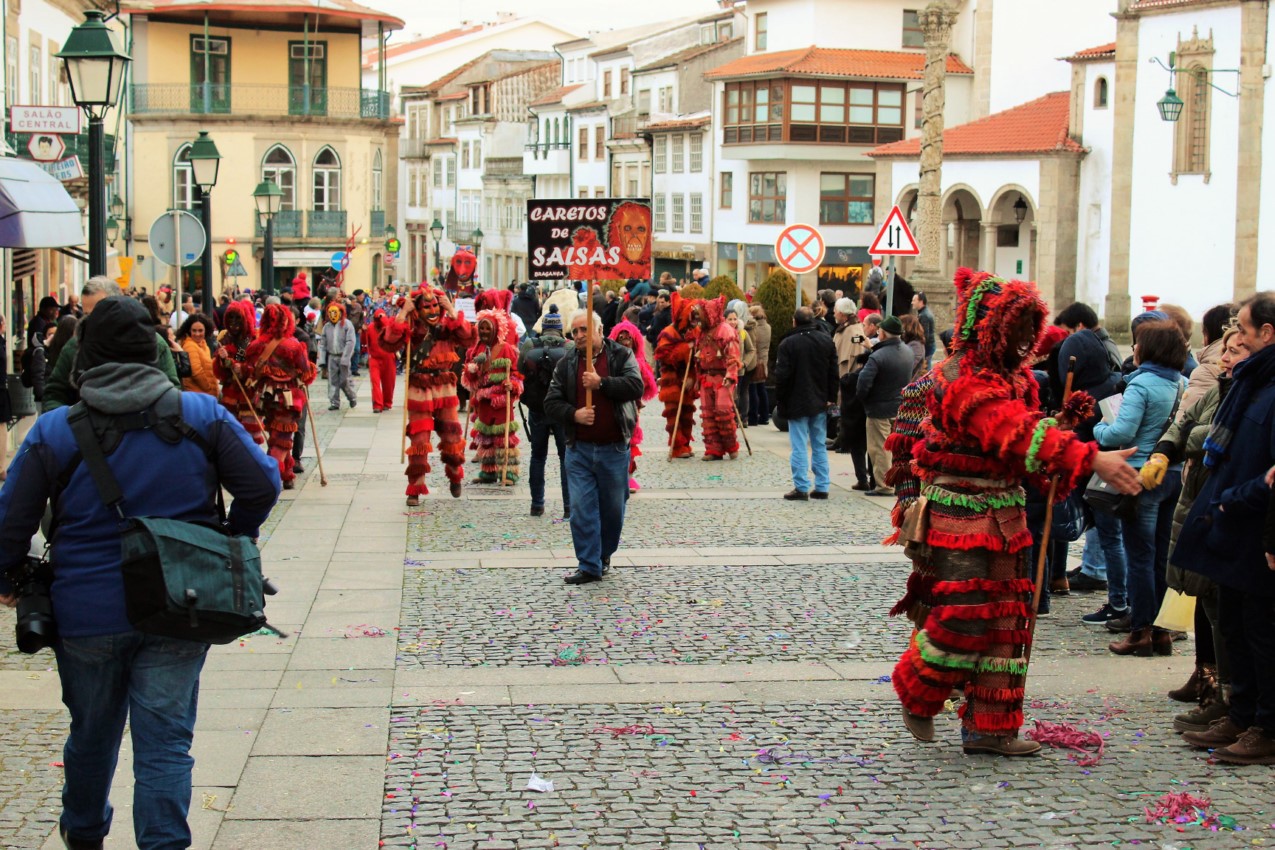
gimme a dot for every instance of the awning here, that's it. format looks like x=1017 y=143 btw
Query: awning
x=35 y=209
x=305 y=259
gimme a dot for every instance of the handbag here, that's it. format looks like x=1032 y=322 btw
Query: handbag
x=1177 y=612
x=184 y=580
x=1104 y=498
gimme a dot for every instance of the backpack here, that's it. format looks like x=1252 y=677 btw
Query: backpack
x=539 y=375
x=183 y=580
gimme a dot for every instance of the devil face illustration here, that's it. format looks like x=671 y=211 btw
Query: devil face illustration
x=631 y=230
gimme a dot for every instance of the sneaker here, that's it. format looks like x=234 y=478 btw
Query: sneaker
x=1253 y=747
x=1221 y=733
x=1084 y=583
x=1103 y=615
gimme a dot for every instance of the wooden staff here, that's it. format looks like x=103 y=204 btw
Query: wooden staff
x=509 y=421
x=681 y=397
x=314 y=433
x=1049 y=516
x=405 y=440
x=739 y=422
x=248 y=401
x=588 y=345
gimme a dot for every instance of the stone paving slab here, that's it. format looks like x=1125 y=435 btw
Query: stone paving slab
x=792 y=774
x=30 y=775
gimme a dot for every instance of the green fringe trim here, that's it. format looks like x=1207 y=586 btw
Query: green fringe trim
x=940 y=658
x=975 y=501
x=1038 y=437
x=1015 y=666
x=496 y=377
x=495 y=430
x=501 y=363
x=971 y=312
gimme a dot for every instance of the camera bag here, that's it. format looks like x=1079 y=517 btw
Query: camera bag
x=187 y=580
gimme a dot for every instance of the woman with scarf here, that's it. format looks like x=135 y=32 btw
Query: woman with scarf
x=1151 y=400
x=627 y=334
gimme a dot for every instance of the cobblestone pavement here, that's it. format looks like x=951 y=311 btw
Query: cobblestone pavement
x=677 y=615
x=30 y=776
x=796 y=774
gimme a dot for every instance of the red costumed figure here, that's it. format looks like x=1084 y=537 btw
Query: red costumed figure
x=718 y=361
x=627 y=334
x=280 y=370
x=673 y=351
x=380 y=360
x=240 y=329
x=436 y=334
x=491 y=376
x=974 y=433
x=460 y=275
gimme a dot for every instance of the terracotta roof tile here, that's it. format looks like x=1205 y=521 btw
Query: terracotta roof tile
x=1039 y=126
x=832 y=62
x=678 y=124
x=1139 y=5
x=370 y=56
x=1102 y=51
x=555 y=96
x=585 y=107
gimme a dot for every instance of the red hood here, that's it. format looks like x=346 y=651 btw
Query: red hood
x=714 y=310
x=987 y=308
x=681 y=308
x=244 y=311
x=494 y=299
x=277 y=322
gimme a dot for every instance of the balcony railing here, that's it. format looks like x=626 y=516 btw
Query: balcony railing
x=326 y=223
x=206 y=99
x=77 y=145
x=414 y=149
x=378 y=223
x=625 y=126
x=287 y=224
x=540 y=150
x=460 y=232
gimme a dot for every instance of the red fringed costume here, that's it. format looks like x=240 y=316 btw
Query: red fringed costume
x=240 y=330
x=627 y=334
x=461 y=272
x=673 y=351
x=970 y=591
x=380 y=360
x=718 y=362
x=437 y=337
x=491 y=376
x=279 y=369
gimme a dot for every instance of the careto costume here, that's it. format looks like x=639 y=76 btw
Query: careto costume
x=672 y=352
x=649 y=389
x=381 y=357
x=436 y=340
x=491 y=376
x=974 y=433
x=279 y=370
x=718 y=357
x=240 y=329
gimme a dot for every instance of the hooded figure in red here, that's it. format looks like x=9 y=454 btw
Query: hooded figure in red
x=627 y=334
x=278 y=368
x=381 y=360
x=980 y=435
x=678 y=375
x=239 y=329
x=463 y=270
x=300 y=289
x=435 y=335
x=718 y=360
x=491 y=376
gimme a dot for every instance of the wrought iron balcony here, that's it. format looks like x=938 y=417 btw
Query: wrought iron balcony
x=326 y=224
x=460 y=232
x=287 y=224
x=212 y=99
x=541 y=150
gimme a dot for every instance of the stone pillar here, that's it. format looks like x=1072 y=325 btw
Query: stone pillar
x=1117 y=313
x=936 y=23
x=987 y=251
x=1248 y=201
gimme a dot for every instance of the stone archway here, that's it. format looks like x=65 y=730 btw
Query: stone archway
x=907 y=203
x=1009 y=234
x=962 y=229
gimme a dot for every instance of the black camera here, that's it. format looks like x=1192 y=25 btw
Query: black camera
x=36 y=628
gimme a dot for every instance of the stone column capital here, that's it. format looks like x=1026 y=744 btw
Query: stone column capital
x=936 y=22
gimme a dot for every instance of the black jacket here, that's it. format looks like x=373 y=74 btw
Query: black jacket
x=806 y=372
x=883 y=377
x=1093 y=373
x=622 y=387
x=526 y=306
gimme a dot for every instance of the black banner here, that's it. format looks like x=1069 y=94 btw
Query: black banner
x=589 y=239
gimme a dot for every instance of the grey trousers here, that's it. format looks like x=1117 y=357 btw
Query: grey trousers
x=338 y=381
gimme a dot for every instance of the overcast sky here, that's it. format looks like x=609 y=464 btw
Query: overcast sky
x=578 y=16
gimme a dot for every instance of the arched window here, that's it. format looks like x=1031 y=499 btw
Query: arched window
x=378 y=192
x=327 y=181
x=556 y=137
x=1100 y=93
x=1191 y=155
x=183 y=180
x=279 y=166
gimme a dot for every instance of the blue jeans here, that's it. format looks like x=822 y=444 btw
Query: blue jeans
x=808 y=435
x=358 y=354
x=1111 y=539
x=1146 y=543
x=154 y=683
x=539 y=429
x=1093 y=563
x=598 y=478
x=758 y=404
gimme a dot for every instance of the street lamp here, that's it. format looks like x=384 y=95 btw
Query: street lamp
x=477 y=239
x=436 y=230
x=112 y=229
x=1170 y=106
x=268 y=197
x=205 y=160
x=1020 y=210
x=95 y=65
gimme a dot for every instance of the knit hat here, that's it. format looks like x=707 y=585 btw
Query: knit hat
x=892 y=325
x=551 y=321
x=845 y=307
x=119 y=330
x=1147 y=316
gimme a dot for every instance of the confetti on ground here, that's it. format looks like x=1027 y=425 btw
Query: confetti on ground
x=1089 y=745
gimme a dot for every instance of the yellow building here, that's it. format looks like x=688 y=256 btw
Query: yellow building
x=278 y=88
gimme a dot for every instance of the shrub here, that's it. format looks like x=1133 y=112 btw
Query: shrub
x=692 y=290
x=724 y=285
x=776 y=295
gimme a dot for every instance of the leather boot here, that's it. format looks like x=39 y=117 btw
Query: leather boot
x=922 y=728
x=1193 y=690
x=1137 y=642
x=1161 y=641
x=1005 y=745
x=1221 y=733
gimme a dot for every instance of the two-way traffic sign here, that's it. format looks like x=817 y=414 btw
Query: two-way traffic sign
x=895 y=238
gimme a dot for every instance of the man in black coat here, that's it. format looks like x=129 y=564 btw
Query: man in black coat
x=526 y=305
x=806 y=385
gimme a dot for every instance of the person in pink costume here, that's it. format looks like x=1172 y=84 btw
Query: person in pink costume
x=627 y=334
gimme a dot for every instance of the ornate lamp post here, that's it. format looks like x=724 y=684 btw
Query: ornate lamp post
x=436 y=230
x=205 y=160
x=95 y=66
x=268 y=197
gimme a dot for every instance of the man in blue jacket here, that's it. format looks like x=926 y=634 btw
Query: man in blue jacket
x=1222 y=539
x=111 y=673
